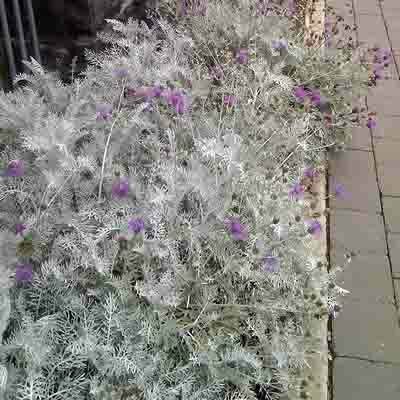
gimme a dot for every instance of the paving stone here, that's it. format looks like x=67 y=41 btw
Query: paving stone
x=393 y=25
x=397 y=288
x=363 y=380
x=394 y=248
x=387 y=152
x=369 y=281
x=355 y=231
x=391 y=207
x=355 y=170
x=385 y=98
x=389 y=180
x=367 y=7
x=391 y=8
x=371 y=30
x=387 y=127
x=361 y=139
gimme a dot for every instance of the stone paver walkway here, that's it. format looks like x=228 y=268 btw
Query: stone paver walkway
x=366 y=334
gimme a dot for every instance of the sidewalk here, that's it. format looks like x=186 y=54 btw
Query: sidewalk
x=366 y=334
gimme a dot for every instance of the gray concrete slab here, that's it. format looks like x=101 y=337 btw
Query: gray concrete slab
x=387 y=127
x=385 y=98
x=389 y=180
x=363 y=380
x=371 y=30
x=367 y=7
x=358 y=232
x=391 y=209
x=394 y=249
x=361 y=188
x=367 y=325
x=361 y=139
x=387 y=152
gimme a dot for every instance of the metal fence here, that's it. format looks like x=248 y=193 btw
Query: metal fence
x=18 y=39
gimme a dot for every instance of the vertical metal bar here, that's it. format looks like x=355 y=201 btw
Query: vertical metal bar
x=20 y=30
x=31 y=18
x=7 y=40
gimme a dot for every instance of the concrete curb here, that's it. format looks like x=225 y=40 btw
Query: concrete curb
x=317 y=375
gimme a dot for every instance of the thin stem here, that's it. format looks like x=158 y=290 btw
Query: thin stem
x=107 y=144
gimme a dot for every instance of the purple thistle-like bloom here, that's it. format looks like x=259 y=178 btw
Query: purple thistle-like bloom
x=300 y=93
x=103 y=111
x=310 y=172
x=279 y=44
x=217 y=72
x=182 y=8
x=237 y=230
x=263 y=7
x=120 y=72
x=339 y=190
x=19 y=228
x=23 y=273
x=297 y=191
x=14 y=168
x=382 y=54
x=156 y=91
x=271 y=263
x=242 y=56
x=136 y=225
x=176 y=99
x=229 y=100
x=371 y=123
x=315 y=227
x=315 y=97
x=290 y=8
x=120 y=187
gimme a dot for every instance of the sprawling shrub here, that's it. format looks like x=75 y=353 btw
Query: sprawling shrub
x=150 y=245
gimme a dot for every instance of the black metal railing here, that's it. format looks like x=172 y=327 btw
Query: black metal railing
x=18 y=38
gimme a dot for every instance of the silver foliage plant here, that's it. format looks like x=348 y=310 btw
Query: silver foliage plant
x=167 y=258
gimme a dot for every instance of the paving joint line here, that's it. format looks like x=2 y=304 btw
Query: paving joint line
x=389 y=39
x=393 y=363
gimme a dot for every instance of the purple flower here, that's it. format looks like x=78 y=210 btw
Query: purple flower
x=23 y=273
x=120 y=72
x=371 y=123
x=310 y=172
x=156 y=91
x=136 y=225
x=290 y=8
x=14 y=168
x=297 y=191
x=270 y=263
x=175 y=98
x=237 y=230
x=279 y=44
x=217 y=72
x=229 y=100
x=19 y=228
x=339 y=190
x=120 y=187
x=263 y=7
x=182 y=8
x=315 y=97
x=382 y=54
x=242 y=56
x=315 y=227
x=103 y=111
x=300 y=93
